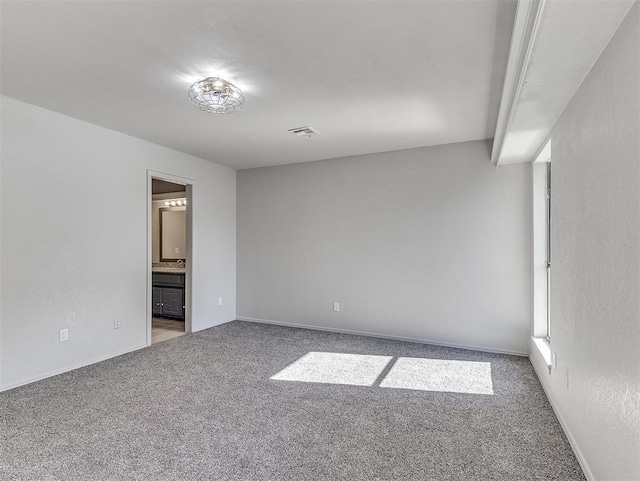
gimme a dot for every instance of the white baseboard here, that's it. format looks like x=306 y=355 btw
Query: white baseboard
x=572 y=441
x=69 y=368
x=384 y=336
x=214 y=325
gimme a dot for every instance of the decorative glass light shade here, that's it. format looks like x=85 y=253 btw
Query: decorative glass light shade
x=216 y=95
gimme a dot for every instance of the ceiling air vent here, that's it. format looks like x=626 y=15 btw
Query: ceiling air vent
x=302 y=131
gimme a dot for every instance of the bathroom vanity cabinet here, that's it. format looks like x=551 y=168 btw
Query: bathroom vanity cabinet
x=167 y=296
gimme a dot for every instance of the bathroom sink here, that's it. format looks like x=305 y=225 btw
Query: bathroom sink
x=176 y=270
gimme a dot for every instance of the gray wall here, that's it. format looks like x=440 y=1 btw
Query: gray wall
x=595 y=277
x=429 y=244
x=75 y=256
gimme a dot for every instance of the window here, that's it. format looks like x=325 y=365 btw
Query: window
x=541 y=262
x=548 y=236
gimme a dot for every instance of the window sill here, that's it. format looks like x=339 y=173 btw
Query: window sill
x=544 y=348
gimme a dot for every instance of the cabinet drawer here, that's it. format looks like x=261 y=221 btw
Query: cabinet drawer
x=169 y=280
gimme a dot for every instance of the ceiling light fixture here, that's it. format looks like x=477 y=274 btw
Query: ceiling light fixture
x=175 y=202
x=216 y=95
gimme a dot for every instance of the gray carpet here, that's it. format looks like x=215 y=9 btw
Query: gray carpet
x=203 y=407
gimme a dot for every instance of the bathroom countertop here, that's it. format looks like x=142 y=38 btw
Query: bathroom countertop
x=168 y=270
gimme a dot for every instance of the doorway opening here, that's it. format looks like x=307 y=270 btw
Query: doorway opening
x=170 y=259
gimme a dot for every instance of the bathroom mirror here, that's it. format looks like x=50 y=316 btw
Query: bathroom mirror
x=173 y=234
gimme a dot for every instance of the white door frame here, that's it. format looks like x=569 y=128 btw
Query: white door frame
x=189 y=183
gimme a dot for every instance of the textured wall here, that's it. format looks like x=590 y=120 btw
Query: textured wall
x=430 y=244
x=595 y=284
x=75 y=256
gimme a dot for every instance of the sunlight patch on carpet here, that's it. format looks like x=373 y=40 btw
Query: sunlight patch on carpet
x=442 y=375
x=335 y=368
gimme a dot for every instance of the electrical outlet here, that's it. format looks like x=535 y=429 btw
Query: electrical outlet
x=566 y=376
x=64 y=335
x=116 y=323
x=336 y=307
x=219 y=301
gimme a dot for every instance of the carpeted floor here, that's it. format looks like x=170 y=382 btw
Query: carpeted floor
x=203 y=407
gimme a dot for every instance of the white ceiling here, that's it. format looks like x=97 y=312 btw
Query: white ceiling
x=370 y=76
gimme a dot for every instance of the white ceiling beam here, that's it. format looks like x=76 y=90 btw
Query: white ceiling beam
x=554 y=45
x=525 y=29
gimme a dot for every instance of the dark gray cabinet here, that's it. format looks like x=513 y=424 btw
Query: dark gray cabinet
x=167 y=295
x=173 y=302
x=156 y=301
